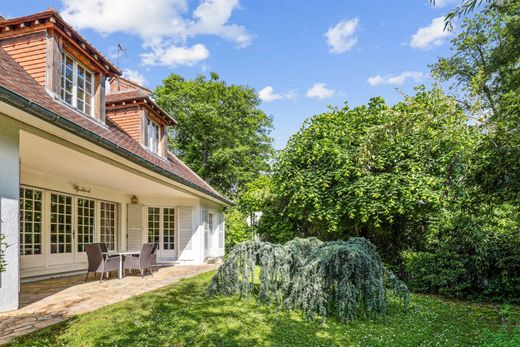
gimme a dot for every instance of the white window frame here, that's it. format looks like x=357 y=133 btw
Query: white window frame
x=168 y=225
x=153 y=136
x=156 y=228
x=27 y=219
x=103 y=213
x=160 y=227
x=75 y=68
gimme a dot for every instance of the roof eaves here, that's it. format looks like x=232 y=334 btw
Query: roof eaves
x=43 y=113
x=86 y=45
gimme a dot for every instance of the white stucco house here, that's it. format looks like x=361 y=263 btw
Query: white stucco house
x=81 y=164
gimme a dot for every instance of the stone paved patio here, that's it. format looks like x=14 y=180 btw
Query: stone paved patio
x=48 y=302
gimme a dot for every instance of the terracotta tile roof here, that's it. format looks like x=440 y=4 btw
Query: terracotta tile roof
x=138 y=94
x=52 y=17
x=17 y=81
x=126 y=95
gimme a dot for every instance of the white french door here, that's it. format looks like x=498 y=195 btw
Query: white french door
x=108 y=224
x=85 y=226
x=60 y=225
x=162 y=229
x=55 y=227
x=168 y=233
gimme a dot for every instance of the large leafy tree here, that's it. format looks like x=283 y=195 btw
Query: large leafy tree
x=484 y=70
x=484 y=65
x=375 y=171
x=222 y=134
x=473 y=250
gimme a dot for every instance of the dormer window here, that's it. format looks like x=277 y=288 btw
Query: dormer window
x=153 y=137
x=77 y=85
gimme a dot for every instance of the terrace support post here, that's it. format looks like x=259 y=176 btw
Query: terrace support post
x=9 y=210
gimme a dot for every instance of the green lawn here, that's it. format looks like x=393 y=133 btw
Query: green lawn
x=183 y=315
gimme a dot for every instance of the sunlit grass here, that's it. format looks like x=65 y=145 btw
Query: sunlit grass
x=183 y=315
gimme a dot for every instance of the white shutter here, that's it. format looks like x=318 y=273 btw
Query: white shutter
x=205 y=223
x=220 y=230
x=135 y=227
x=185 y=229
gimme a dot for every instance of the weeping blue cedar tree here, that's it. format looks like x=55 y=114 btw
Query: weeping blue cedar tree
x=341 y=279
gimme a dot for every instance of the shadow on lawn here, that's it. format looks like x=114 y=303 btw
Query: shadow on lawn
x=184 y=315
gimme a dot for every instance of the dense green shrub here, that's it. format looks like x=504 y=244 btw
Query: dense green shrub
x=339 y=278
x=473 y=255
x=237 y=229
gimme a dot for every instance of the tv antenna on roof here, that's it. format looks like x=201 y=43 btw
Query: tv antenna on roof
x=120 y=52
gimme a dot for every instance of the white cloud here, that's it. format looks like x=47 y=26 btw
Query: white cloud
x=164 y=26
x=134 y=76
x=430 y=36
x=395 y=79
x=341 y=37
x=320 y=91
x=211 y=17
x=173 y=56
x=267 y=94
x=442 y=3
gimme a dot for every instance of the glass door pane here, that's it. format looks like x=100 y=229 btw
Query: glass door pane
x=154 y=221
x=169 y=229
x=30 y=221
x=61 y=223
x=85 y=220
x=107 y=219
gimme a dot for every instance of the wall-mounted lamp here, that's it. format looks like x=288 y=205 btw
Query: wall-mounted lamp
x=81 y=189
x=134 y=200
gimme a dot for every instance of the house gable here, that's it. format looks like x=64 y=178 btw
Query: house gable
x=130 y=106
x=60 y=60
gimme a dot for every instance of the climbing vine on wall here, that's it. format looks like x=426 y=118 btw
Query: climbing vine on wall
x=343 y=279
x=3 y=246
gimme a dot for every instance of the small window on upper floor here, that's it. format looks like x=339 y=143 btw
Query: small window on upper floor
x=77 y=85
x=153 y=136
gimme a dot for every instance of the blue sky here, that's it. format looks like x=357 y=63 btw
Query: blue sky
x=372 y=47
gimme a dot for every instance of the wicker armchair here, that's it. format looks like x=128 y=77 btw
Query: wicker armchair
x=142 y=262
x=98 y=263
x=153 y=256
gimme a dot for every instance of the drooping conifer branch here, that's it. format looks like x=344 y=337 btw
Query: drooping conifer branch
x=340 y=278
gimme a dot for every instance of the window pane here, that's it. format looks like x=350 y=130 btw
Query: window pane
x=76 y=82
x=169 y=228
x=85 y=220
x=61 y=227
x=30 y=221
x=107 y=230
x=153 y=224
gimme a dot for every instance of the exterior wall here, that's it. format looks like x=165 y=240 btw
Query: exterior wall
x=214 y=251
x=129 y=119
x=30 y=52
x=9 y=206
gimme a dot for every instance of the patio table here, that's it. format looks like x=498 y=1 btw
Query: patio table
x=121 y=256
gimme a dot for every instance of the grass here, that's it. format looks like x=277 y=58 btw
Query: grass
x=183 y=315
